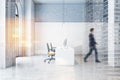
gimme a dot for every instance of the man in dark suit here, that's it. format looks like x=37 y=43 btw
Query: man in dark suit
x=92 y=45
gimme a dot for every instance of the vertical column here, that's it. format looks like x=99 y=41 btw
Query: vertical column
x=11 y=34
x=29 y=24
x=111 y=40
x=2 y=32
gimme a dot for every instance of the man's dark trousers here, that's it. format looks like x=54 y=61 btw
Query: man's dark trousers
x=90 y=52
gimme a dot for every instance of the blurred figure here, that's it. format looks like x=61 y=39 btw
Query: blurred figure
x=92 y=46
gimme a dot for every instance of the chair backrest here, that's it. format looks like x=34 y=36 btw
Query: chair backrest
x=51 y=46
x=48 y=47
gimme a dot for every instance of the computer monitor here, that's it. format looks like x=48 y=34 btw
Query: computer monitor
x=65 y=42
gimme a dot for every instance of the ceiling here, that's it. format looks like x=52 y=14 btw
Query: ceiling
x=58 y=1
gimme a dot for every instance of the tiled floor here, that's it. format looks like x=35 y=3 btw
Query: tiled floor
x=33 y=68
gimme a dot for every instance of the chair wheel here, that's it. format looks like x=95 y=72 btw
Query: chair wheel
x=44 y=60
x=48 y=62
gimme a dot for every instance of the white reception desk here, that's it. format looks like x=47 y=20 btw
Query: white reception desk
x=64 y=56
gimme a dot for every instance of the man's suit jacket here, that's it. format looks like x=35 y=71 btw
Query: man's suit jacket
x=92 y=41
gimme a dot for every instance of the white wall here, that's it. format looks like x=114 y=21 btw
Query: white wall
x=2 y=33
x=77 y=34
x=56 y=32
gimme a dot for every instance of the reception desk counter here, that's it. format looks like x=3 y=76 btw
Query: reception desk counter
x=64 y=56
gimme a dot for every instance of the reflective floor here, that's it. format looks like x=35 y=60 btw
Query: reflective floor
x=33 y=68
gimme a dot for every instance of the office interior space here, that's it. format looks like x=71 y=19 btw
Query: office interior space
x=48 y=39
